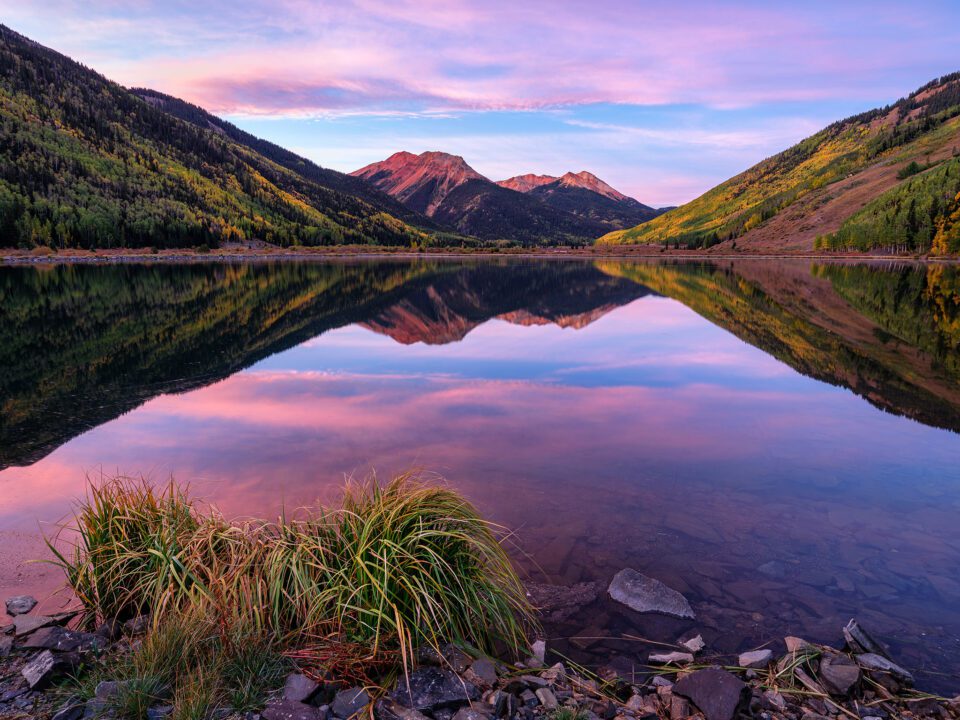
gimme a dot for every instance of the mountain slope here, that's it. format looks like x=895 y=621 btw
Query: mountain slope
x=445 y=188
x=491 y=212
x=307 y=169
x=586 y=196
x=84 y=162
x=814 y=187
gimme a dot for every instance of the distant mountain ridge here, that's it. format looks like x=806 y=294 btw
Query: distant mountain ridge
x=887 y=179
x=527 y=208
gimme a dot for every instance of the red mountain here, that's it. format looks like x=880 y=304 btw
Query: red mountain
x=421 y=182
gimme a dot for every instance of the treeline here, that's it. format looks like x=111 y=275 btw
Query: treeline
x=85 y=163
x=921 y=215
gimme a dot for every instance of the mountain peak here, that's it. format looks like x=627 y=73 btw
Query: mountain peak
x=526 y=183
x=589 y=181
x=419 y=181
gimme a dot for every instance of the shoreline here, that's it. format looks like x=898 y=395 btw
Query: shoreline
x=179 y=257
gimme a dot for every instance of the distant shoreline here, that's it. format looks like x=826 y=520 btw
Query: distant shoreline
x=106 y=257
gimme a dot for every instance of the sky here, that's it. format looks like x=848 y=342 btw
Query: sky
x=662 y=100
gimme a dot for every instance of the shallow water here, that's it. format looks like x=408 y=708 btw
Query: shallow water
x=777 y=440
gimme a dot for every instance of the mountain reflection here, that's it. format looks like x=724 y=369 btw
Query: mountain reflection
x=81 y=345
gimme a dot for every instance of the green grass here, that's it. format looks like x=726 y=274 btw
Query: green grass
x=351 y=590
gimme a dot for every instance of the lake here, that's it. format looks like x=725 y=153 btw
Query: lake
x=776 y=440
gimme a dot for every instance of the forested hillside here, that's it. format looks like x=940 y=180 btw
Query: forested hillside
x=817 y=187
x=86 y=163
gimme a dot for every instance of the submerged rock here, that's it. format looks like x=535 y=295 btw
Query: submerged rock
x=20 y=605
x=557 y=603
x=718 y=694
x=878 y=663
x=647 y=595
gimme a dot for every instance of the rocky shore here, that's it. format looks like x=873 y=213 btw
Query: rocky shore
x=794 y=680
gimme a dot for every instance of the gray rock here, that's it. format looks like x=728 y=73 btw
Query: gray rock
x=455 y=658
x=6 y=645
x=62 y=640
x=547 y=698
x=838 y=674
x=71 y=710
x=660 y=681
x=43 y=668
x=672 y=658
x=349 y=702
x=431 y=688
x=485 y=671
x=529 y=698
x=159 y=712
x=755 y=658
x=647 y=595
x=299 y=688
x=20 y=605
x=387 y=709
x=469 y=713
x=718 y=694
x=878 y=663
x=26 y=624
x=694 y=644
x=288 y=710
x=861 y=642
x=539 y=649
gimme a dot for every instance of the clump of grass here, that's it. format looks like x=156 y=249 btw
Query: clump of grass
x=347 y=590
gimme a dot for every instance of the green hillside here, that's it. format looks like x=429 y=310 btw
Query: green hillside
x=923 y=128
x=86 y=163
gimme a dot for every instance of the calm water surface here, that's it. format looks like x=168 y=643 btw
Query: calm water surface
x=778 y=441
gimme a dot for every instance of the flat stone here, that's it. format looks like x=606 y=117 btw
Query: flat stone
x=694 y=644
x=672 y=658
x=797 y=645
x=469 y=713
x=20 y=605
x=878 y=663
x=547 y=698
x=718 y=694
x=60 y=639
x=349 y=702
x=387 y=709
x=70 y=710
x=159 y=712
x=431 y=688
x=647 y=595
x=299 y=688
x=539 y=649
x=838 y=674
x=755 y=658
x=288 y=710
x=6 y=645
x=529 y=698
x=485 y=671
x=26 y=624
x=42 y=669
